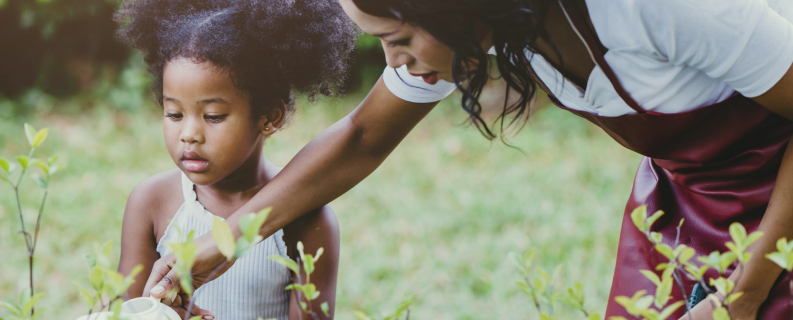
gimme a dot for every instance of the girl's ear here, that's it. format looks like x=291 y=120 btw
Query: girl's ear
x=274 y=118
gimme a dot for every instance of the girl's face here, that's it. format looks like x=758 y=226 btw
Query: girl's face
x=405 y=44
x=210 y=129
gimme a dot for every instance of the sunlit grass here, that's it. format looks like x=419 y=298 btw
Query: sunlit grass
x=438 y=219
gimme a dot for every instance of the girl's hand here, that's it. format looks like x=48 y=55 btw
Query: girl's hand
x=180 y=304
x=163 y=277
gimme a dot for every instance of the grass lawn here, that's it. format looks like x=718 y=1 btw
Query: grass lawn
x=438 y=219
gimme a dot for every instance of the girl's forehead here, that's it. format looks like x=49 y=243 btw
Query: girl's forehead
x=198 y=80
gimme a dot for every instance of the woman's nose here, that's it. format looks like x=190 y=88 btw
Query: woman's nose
x=396 y=58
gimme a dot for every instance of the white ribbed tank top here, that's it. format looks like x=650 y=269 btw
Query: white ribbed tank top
x=253 y=287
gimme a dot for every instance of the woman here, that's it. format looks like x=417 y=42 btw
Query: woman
x=698 y=87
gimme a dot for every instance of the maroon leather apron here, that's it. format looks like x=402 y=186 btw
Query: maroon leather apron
x=712 y=166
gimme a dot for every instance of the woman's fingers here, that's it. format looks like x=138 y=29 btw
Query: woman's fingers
x=162 y=278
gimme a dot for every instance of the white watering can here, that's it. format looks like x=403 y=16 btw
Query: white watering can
x=139 y=309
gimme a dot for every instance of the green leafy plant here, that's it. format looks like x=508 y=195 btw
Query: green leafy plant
x=13 y=173
x=309 y=291
x=107 y=286
x=659 y=306
x=784 y=258
x=539 y=286
x=403 y=308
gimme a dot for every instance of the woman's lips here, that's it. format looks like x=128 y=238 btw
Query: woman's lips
x=430 y=78
x=193 y=162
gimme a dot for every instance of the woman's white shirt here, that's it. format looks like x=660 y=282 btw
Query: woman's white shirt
x=671 y=56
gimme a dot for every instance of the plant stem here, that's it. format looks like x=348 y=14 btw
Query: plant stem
x=679 y=281
x=211 y=276
x=38 y=220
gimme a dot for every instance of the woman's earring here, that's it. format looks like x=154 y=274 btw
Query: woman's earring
x=267 y=128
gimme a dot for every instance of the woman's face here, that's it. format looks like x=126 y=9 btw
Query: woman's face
x=210 y=129
x=406 y=44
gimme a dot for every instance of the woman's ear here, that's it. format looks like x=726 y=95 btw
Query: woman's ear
x=274 y=118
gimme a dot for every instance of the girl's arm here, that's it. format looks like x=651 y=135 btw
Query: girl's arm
x=326 y=168
x=138 y=243
x=315 y=230
x=759 y=275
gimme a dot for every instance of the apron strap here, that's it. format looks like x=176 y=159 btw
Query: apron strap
x=591 y=42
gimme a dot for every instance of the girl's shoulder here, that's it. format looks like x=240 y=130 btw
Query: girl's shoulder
x=156 y=199
x=317 y=229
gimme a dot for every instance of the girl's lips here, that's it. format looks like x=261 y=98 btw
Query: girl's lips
x=195 y=165
x=430 y=78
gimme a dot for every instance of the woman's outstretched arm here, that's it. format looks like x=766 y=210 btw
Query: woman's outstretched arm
x=330 y=165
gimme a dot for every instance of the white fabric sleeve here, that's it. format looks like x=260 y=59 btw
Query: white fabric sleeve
x=414 y=89
x=744 y=43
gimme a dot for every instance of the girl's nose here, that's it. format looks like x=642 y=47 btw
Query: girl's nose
x=191 y=132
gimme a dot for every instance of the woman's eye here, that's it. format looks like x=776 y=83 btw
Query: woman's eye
x=215 y=118
x=174 y=116
x=404 y=42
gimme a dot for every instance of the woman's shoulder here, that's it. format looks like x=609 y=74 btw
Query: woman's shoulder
x=157 y=194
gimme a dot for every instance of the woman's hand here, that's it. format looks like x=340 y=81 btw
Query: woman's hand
x=704 y=311
x=744 y=308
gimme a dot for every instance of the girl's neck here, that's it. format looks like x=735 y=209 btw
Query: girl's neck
x=239 y=186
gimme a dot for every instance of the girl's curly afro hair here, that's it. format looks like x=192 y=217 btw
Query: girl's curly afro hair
x=271 y=47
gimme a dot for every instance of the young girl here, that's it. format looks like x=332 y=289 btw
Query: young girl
x=225 y=73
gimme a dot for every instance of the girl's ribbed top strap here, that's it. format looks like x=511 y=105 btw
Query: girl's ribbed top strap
x=581 y=28
x=187 y=189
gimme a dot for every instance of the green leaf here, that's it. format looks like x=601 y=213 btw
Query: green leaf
x=685 y=255
x=663 y=293
x=27 y=308
x=651 y=276
x=781 y=259
x=24 y=161
x=86 y=296
x=199 y=318
x=303 y=305
x=11 y=308
x=42 y=166
x=115 y=308
x=221 y=232
x=39 y=180
x=286 y=262
x=30 y=133
x=325 y=308
x=651 y=220
x=3 y=3
x=97 y=279
x=668 y=311
x=40 y=136
x=733 y=296
x=721 y=314
x=665 y=250
x=251 y=224
x=4 y=165
x=754 y=236
x=52 y=160
x=738 y=233
x=638 y=216
x=594 y=316
x=656 y=237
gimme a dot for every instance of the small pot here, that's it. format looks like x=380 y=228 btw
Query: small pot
x=139 y=309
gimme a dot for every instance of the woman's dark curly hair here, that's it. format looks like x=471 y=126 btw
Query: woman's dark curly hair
x=516 y=25
x=271 y=47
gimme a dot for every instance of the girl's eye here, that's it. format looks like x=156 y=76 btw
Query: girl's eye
x=404 y=42
x=174 y=116
x=215 y=118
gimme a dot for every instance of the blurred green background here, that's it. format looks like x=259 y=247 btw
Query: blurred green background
x=438 y=219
